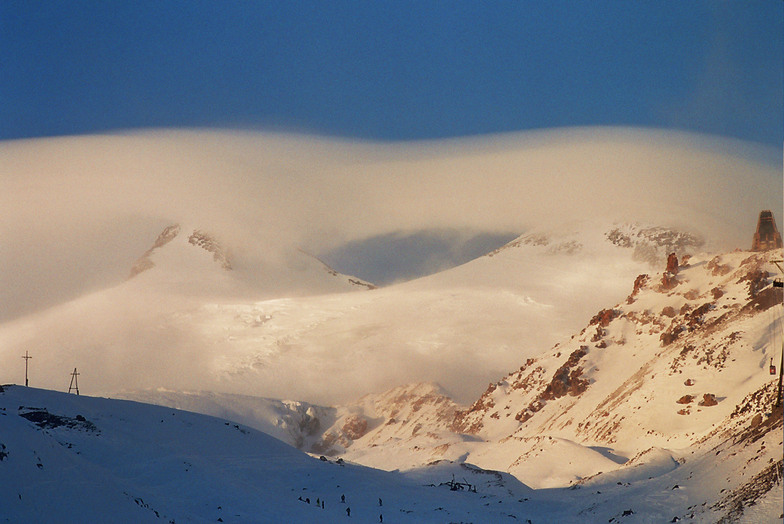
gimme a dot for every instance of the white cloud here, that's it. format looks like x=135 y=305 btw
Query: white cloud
x=78 y=211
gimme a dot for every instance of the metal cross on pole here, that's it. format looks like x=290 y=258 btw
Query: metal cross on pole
x=74 y=382
x=26 y=357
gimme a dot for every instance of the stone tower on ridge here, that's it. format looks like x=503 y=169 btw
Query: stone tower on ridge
x=767 y=236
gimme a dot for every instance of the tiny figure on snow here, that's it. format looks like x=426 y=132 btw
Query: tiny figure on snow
x=348 y=512
x=379 y=502
x=343 y=499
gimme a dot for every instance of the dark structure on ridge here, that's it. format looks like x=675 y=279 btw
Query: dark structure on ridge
x=767 y=236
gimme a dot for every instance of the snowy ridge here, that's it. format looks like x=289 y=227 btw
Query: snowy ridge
x=643 y=399
x=653 y=386
x=660 y=408
x=120 y=461
x=712 y=320
x=649 y=243
x=172 y=251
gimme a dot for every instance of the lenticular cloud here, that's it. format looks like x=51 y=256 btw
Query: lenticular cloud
x=79 y=211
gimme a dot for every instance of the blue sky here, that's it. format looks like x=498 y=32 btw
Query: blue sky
x=398 y=70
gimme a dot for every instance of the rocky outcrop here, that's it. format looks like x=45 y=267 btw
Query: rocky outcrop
x=672 y=264
x=209 y=243
x=198 y=238
x=669 y=279
x=639 y=283
x=144 y=262
x=651 y=243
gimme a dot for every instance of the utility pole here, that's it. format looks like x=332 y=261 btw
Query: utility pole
x=26 y=357
x=74 y=382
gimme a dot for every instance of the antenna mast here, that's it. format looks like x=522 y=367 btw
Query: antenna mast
x=26 y=357
x=74 y=382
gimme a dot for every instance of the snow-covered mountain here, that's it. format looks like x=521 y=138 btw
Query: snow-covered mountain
x=229 y=331
x=653 y=388
x=193 y=261
x=610 y=366
x=668 y=387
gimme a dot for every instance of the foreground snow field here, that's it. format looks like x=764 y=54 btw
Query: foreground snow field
x=74 y=459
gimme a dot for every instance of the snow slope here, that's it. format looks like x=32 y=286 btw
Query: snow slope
x=649 y=393
x=67 y=458
x=668 y=387
x=74 y=459
x=460 y=328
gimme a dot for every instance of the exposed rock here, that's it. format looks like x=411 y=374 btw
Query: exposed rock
x=685 y=399
x=716 y=268
x=669 y=336
x=207 y=242
x=669 y=311
x=144 y=262
x=567 y=378
x=604 y=317
x=639 y=283
x=708 y=399
x=668 y=281
x=766 y=299
x=672 y=264
x=651 y=243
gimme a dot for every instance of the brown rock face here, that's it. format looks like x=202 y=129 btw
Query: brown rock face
x=668 y=281
x=672 y=264
x=685 y=399
x=640 y=282
x=669 y=311
x=567 y=378
x=604 y=317
x=355 y=427
x=767 y=235
x=708 y=399
x=144 y=263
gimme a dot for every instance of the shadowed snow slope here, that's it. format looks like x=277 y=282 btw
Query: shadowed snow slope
x=71 y=459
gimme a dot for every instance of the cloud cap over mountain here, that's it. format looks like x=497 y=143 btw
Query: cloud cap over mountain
x=79 y=210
